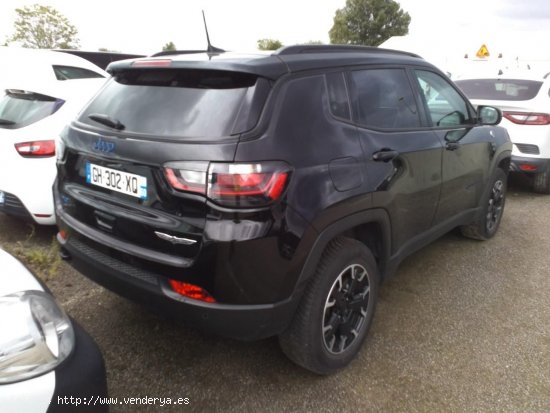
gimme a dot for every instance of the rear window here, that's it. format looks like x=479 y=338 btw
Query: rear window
x=175 y=103
x=499 y=89
x=20 y=108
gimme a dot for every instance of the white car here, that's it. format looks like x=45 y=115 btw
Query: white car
x=524 y=100
x=45 y=357
x=41 y=91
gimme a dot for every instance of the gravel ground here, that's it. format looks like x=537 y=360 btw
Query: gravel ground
x=464 y=326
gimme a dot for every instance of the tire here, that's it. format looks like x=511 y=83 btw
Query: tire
x=328 y=305
x=488 y=222
x=541 y=183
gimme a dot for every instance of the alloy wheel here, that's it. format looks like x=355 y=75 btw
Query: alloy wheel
x=496 y=204
x=346 y=306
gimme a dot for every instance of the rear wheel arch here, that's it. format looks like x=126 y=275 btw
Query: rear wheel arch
x=370 y=227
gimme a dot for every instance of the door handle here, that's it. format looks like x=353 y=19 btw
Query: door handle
x=452 y=146
x=384 y=155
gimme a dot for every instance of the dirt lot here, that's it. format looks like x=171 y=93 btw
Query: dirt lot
x=464 y=326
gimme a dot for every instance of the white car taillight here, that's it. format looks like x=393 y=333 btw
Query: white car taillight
x=527 y=118
x=36 y=149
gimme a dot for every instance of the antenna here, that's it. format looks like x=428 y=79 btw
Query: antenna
x=210 y=48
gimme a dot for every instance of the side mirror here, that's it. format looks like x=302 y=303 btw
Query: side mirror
x=489 y=115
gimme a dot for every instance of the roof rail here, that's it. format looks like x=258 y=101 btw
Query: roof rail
x=337 y=48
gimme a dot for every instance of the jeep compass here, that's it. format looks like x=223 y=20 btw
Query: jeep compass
x=269 y=195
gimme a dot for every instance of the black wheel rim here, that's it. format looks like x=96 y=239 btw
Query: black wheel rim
x=496 y=205
x=346 y=309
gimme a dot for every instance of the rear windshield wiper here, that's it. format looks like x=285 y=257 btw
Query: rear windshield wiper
x=6 y=122
x=106 y=120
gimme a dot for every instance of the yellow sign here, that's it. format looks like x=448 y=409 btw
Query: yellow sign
x=483 y=52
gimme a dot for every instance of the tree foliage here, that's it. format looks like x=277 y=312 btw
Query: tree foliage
x=43 y=27
x=369 y=22
x=269 y=44
x=168 y=47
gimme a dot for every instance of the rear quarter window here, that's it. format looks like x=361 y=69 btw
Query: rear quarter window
x=72 y=72
x=338 y=95
x=500 y=89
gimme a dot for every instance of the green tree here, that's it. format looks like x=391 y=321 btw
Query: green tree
x=43 y=27
x=269 y=44
x=369 y=22
x=168 y=47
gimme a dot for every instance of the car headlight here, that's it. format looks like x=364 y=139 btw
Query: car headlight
x=36 y=335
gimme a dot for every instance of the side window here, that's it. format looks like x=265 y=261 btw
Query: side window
x=383 y=99
x=72 y=72
x=445 y=105
x=338 y=95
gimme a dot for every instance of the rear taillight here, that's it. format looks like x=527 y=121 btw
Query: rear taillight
x=191 y=291
x=36 y=149
x=186 y=180
x=243 y=185
x=231 y=184
x=527 y=167
x=527 y=118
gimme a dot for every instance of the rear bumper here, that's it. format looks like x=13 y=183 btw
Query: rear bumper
x=12 y=205
x=16 y=207
x=528 y=164
x=29 y=183
x=244 y=322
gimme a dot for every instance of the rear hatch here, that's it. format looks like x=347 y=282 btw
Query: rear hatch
x=113 y=167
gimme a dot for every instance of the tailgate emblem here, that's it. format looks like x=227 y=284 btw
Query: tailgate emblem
x=103 y=146
x=175 y=240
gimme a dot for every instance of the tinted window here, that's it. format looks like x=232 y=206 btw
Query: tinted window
x=383 y=99
x=70 y=72
x=19 y=108
x=338 y=95
x=496 y=89
x=445 y=105
x=176 y=103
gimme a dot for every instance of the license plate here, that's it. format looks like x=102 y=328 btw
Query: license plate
x=119 y=181
x=2 y=198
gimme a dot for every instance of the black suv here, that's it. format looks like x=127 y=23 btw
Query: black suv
x=268 y=195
